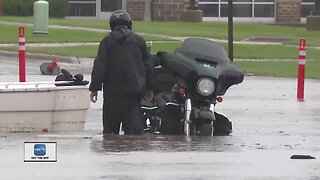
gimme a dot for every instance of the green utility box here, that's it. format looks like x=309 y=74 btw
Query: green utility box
x=40 y=18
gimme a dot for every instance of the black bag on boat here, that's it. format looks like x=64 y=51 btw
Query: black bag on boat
x=76 y=80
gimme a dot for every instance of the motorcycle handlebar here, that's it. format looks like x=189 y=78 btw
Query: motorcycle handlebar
x=161 y=53
x=156 y=58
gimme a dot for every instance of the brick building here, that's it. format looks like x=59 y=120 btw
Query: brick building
x=288 y=11
x=278 y=11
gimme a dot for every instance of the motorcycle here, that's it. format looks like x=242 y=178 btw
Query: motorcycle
x=190 y=82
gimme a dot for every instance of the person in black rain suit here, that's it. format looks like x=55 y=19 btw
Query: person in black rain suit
x=124 y=68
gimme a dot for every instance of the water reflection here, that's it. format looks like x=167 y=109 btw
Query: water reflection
x=118 y=143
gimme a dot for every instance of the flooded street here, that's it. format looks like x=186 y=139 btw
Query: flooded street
x=269 y=126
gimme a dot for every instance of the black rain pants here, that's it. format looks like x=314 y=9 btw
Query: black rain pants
x=124 y=109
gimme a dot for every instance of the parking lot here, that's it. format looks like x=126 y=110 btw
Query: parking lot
x=269 y=126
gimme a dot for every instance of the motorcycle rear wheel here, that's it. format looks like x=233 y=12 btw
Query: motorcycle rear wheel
x=171 y=121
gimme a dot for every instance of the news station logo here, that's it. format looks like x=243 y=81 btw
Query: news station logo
x=39 y=149
x=40 y=152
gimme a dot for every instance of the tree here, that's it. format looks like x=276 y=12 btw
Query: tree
x=192 y=5
x=1 y=8
x=15 y=8
x=316 y=10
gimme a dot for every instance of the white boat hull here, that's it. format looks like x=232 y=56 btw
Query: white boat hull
x=32 y=107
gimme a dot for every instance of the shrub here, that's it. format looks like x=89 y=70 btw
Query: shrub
x=29 y=4
x=15 y=8
x=57 y=8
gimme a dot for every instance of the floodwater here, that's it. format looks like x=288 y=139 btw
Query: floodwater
x=269 y=126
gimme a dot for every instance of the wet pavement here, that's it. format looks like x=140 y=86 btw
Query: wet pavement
x=269 y=126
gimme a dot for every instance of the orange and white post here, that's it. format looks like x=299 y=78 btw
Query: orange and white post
x=22 y=55
x=301 y=69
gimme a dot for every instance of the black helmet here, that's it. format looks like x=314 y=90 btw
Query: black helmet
x=120 y=17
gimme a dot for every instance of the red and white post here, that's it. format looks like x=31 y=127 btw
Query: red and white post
x=301 y=69
x=22 y=55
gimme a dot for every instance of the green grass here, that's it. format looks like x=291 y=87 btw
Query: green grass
x=9 y=34
x=274 y=68
x=278 y=68
x=271 y=52
x=85 y=51
x=217 y=30
x=241 y=51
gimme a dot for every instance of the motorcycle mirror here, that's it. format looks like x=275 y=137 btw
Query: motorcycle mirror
x=182 y=91
x=219 y=99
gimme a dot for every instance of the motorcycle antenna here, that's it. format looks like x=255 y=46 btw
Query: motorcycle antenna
x=230 y=29
x=149 y=46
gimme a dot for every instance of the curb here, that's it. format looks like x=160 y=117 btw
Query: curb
x=41 y=57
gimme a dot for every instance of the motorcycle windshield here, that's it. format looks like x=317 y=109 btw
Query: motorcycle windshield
x=203 y=50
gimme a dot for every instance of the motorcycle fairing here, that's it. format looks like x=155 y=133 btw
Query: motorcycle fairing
x=198 y=58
